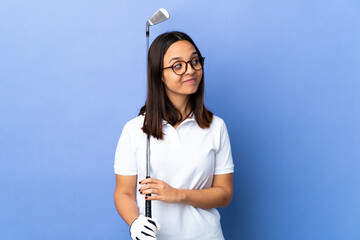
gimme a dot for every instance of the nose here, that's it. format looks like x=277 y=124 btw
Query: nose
x=189 y=68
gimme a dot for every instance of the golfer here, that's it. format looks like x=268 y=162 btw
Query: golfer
x=191 y=163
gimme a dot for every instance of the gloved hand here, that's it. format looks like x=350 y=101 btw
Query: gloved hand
x=144 y=228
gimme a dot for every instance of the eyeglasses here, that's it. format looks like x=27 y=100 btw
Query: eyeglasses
x=180 y=67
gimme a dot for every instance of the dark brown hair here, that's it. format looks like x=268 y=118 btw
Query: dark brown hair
x=158 y=106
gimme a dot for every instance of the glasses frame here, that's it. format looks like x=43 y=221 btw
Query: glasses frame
x=201 y=59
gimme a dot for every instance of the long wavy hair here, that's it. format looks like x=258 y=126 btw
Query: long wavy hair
x=158 y=106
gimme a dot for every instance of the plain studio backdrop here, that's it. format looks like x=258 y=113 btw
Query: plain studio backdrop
x=284 y=75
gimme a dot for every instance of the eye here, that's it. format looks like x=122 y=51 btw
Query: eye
x=195 y=61
x=178 y=65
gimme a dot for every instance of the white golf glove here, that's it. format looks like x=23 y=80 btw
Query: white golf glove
x=144 y=228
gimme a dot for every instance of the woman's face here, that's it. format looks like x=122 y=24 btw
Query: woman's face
x=187 y=83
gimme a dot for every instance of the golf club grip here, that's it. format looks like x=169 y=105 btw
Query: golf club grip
x=148 y=207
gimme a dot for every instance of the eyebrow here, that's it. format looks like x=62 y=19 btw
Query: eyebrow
x=175 y=58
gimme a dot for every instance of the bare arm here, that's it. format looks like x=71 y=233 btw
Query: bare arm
x=125 y=197
x=219 y=195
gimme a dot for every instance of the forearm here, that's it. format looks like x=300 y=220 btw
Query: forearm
x=126 y=207
x=206 y=198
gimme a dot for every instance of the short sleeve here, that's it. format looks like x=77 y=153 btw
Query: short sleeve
x=125 y=160
x=224 y=162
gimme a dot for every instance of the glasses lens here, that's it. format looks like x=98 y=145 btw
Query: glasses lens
x=179 y=67
x=196 y=64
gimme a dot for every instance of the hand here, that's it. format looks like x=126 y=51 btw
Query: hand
x=144 y=228
x=164 y=192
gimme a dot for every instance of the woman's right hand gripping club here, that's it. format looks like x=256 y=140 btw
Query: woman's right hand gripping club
x=144 y=228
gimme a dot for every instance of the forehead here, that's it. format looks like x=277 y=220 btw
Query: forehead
x=182 y=49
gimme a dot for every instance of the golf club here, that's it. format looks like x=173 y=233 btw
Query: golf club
x=158 y=17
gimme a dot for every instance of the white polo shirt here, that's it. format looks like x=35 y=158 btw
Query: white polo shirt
x=187 y=158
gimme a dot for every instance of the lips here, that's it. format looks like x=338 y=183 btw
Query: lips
x=189 y=80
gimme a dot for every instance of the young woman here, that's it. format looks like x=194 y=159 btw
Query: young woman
x=191 y=162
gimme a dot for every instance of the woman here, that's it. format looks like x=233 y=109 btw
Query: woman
x=191 y=161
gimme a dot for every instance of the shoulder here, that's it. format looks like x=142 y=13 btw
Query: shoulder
x=132 y=130
x=136 y=121
x=217 y=122
x=218 y=126
x=135 y=124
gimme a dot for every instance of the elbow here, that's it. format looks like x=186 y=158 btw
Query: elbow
x=116 y=197
x=227 y=201
x=117 y=194
x=227 y=198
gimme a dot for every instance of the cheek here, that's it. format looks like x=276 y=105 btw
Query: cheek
x=170 y=80
x=200 y=74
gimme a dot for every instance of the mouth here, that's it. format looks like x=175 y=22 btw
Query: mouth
x=189 y=81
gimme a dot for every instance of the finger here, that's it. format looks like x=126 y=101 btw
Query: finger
x=144 y=237
x=154 y=222
x=148 y=186
x=149 y=180
x=154 y=197
x=150 y=191
x=148 y=232
x=147 y=237
x=144 y=233
x=146 y=180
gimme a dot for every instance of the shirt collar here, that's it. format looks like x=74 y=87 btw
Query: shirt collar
x=190 y=118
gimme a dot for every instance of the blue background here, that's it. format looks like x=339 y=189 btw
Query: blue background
x=284 y=75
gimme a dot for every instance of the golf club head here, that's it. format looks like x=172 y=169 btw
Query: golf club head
x=158 y=17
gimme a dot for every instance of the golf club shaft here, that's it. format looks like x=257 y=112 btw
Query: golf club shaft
x=148 y=202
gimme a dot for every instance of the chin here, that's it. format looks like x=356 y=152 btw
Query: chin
x=194 y=91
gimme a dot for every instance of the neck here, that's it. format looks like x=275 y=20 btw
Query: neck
x=181 y=104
